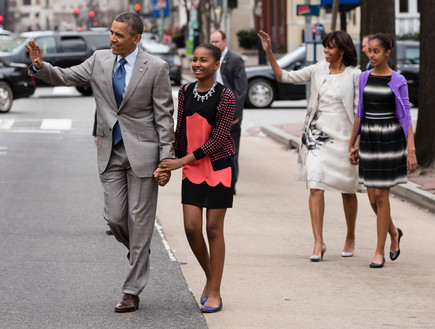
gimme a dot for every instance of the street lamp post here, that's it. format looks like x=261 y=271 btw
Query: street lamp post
x=258 y=11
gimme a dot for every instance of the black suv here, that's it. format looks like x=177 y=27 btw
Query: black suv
x=63 y=49
x=14 y=83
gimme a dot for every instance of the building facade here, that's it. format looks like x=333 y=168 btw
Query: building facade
x=31 y=15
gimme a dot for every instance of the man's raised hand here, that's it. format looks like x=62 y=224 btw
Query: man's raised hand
x=35 y=54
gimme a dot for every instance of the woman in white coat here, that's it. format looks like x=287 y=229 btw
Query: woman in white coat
x=328 y=123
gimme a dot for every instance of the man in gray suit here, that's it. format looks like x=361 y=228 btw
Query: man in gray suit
x=232 y=74
x=135 y=131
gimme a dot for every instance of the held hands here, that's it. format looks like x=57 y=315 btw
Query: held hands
x=354 y=155
x=170 y=164
x=161 y=176
x=35 y=54
x=163 y=172
x=265 y=41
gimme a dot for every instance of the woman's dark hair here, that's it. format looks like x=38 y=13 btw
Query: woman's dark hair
x=386 y=40
x=134 y=22
x=215 y=51
x=342 y=41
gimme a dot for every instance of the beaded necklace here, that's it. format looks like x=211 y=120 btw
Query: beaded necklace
x=206 y=96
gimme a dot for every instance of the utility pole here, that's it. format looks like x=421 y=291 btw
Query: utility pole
x=308 y=36
x=227 y=22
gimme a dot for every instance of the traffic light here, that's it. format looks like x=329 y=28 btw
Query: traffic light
x=76 y=12
x=137 y=8
x=91 y=13
x=1 y=18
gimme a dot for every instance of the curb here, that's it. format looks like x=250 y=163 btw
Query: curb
x=409 y=191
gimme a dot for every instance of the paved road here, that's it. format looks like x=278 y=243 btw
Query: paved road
x=58 y=269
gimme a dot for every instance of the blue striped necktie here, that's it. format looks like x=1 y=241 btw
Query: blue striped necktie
x=118 y=88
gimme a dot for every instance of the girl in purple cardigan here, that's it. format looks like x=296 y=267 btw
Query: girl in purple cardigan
x=385 y=148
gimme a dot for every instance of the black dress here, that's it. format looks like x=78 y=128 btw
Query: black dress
x=383 y=148
x=202 y=186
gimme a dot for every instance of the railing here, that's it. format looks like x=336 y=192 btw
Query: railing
x=406 y=25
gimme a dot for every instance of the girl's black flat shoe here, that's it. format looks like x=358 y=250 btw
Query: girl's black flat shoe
x=395 y=255
x=374 y=265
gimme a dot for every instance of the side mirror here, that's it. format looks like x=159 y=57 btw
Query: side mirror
x=297 y=65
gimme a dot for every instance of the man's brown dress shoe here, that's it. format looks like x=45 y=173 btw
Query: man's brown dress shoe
x=128 y=303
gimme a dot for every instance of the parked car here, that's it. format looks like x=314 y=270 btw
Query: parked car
x=63 y=49
x=14 y=83
x=263 y=88
x=167 y=52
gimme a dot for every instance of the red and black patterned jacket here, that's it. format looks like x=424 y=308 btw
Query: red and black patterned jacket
x=220 y=146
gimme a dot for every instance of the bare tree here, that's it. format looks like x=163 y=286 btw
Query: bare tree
x=187 y=7
x=377 y=16
x=209 y=19
x=335 y=6
x=425 y=136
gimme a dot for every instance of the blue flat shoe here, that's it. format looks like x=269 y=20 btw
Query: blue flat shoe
x=208 y=309
x=203 y=300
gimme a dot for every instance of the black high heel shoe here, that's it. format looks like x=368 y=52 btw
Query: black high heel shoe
x=395 y=255
x=374 y=265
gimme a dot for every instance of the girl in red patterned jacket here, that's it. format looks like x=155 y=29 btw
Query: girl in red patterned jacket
x=205 y=150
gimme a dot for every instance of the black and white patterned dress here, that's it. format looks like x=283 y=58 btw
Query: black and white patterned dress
x=383 y=148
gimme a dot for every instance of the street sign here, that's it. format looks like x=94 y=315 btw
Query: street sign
x=158 y=6
x=161 y=4
x=308 y=10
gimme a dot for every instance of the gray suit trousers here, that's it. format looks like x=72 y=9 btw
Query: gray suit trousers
x=130 y=203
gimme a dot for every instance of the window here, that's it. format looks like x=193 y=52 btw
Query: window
x=27 y=2
x=72 y=45
x=412 y=56
x=47 y=45
x=403 y=6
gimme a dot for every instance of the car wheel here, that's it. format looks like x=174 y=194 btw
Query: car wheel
x=260 y=94
x=6 y=97
x=85 y=90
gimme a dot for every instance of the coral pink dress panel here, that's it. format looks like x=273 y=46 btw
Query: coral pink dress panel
x=198 y=132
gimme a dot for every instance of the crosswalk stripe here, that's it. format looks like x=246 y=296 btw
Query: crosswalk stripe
x=6 y=123
x=56 y=124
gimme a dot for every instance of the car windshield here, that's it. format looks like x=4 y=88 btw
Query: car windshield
x=13 y=45
x=292 y=56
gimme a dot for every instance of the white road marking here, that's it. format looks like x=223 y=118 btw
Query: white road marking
x=62 y=90
x=3 y=150
x=56 y=124
x=6 y=123
x=165 y=242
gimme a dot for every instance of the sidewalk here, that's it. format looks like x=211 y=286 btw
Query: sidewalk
x=419 y=190
x=268 y=279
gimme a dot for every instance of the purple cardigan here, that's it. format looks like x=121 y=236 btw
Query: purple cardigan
x=400 y=89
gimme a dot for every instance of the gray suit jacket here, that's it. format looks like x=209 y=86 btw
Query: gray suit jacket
x=234 y=77
x=145 y=114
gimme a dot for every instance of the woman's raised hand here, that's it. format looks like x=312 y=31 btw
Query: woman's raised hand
x=265 y=41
